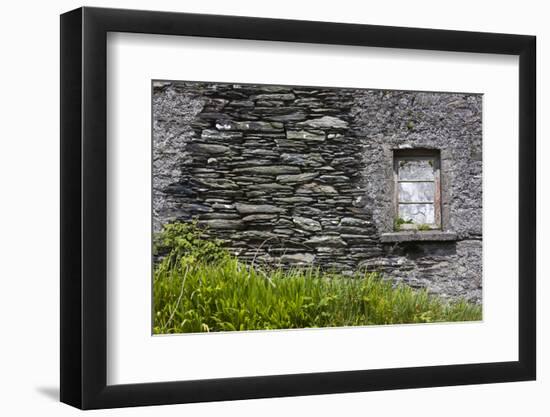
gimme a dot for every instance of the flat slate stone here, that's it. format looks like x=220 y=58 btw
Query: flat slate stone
x=259 y=217
x=300 y=258
x=312 y=211
x=260 y=152
x=347 y=160
x=222 y=183
x=222 y=224
x=266 y=88
x=269 y=170
x=352 y=221
x=316 y=188
x=333 y=178
x=308 y=176
x=418 y=236
x=219 y=216
x=325 y=122
x=255 y=234
x=305 y=135
x=307 y=224
x=326 y=241
x=293 y=200
x=257 y=208
x=242 y=103
x=272 y=186
x=275 y=96
x=222 y=206
x=308 y=159
x=207 y=148
x=250 y=125
x=212 y=134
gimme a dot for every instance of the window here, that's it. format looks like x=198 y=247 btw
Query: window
x=417 y=190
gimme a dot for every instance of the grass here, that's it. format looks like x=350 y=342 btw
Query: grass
x=224 y=294
x=398 y=222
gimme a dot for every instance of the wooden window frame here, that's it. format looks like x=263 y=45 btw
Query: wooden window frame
x=418 y=154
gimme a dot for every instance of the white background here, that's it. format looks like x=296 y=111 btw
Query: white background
x=133 y=60
x=29 y=177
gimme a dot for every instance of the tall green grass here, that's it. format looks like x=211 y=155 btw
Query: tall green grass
x=222 y=294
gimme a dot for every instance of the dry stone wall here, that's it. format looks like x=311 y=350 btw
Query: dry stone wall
x=303 y=175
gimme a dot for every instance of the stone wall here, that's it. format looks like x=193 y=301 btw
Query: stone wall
x=303 y=175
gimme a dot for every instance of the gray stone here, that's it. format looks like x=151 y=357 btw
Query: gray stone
x=348 y=160
x=325 y=122
x=249 y=180
x=295 y=116
x=307 y=224
x=221 y=183
x=270 y=88
x=270 y=103
x=326 y=241
x=218 y=206
x=222 y=224
x=207 y=148
x=298 y=258
x=286 y=232
x=242 y=103
x=418 y=236
x=293 y=200
x=261 y=152
x=288 y=96
x=269 y=170
x=160 y=84
x=308 y=176
x=219 y=216
x=259 y=217
x=333 y=178
x=272 y=186
x=211 y=134
x=352 y=221
x=305 y=135
x=350 y=230
x=257 y=208
x=260 y=195
x=308 y=211
x=250 y=126
x=316 y=188
x=198 y=208
x=310 y=159
x=255 y=234
x=292 y=145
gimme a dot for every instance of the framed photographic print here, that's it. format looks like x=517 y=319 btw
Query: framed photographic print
x=256 y=208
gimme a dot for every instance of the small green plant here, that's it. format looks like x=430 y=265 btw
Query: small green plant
x=424 y=227
x=399 y=221
x=185 y=242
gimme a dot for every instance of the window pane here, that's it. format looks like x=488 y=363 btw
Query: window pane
x=416 y=192
x=415 y=169
x=418 y=213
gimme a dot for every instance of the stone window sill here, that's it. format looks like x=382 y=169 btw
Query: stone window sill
x=418 y=236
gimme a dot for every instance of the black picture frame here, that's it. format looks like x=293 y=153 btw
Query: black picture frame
x=84 y=207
